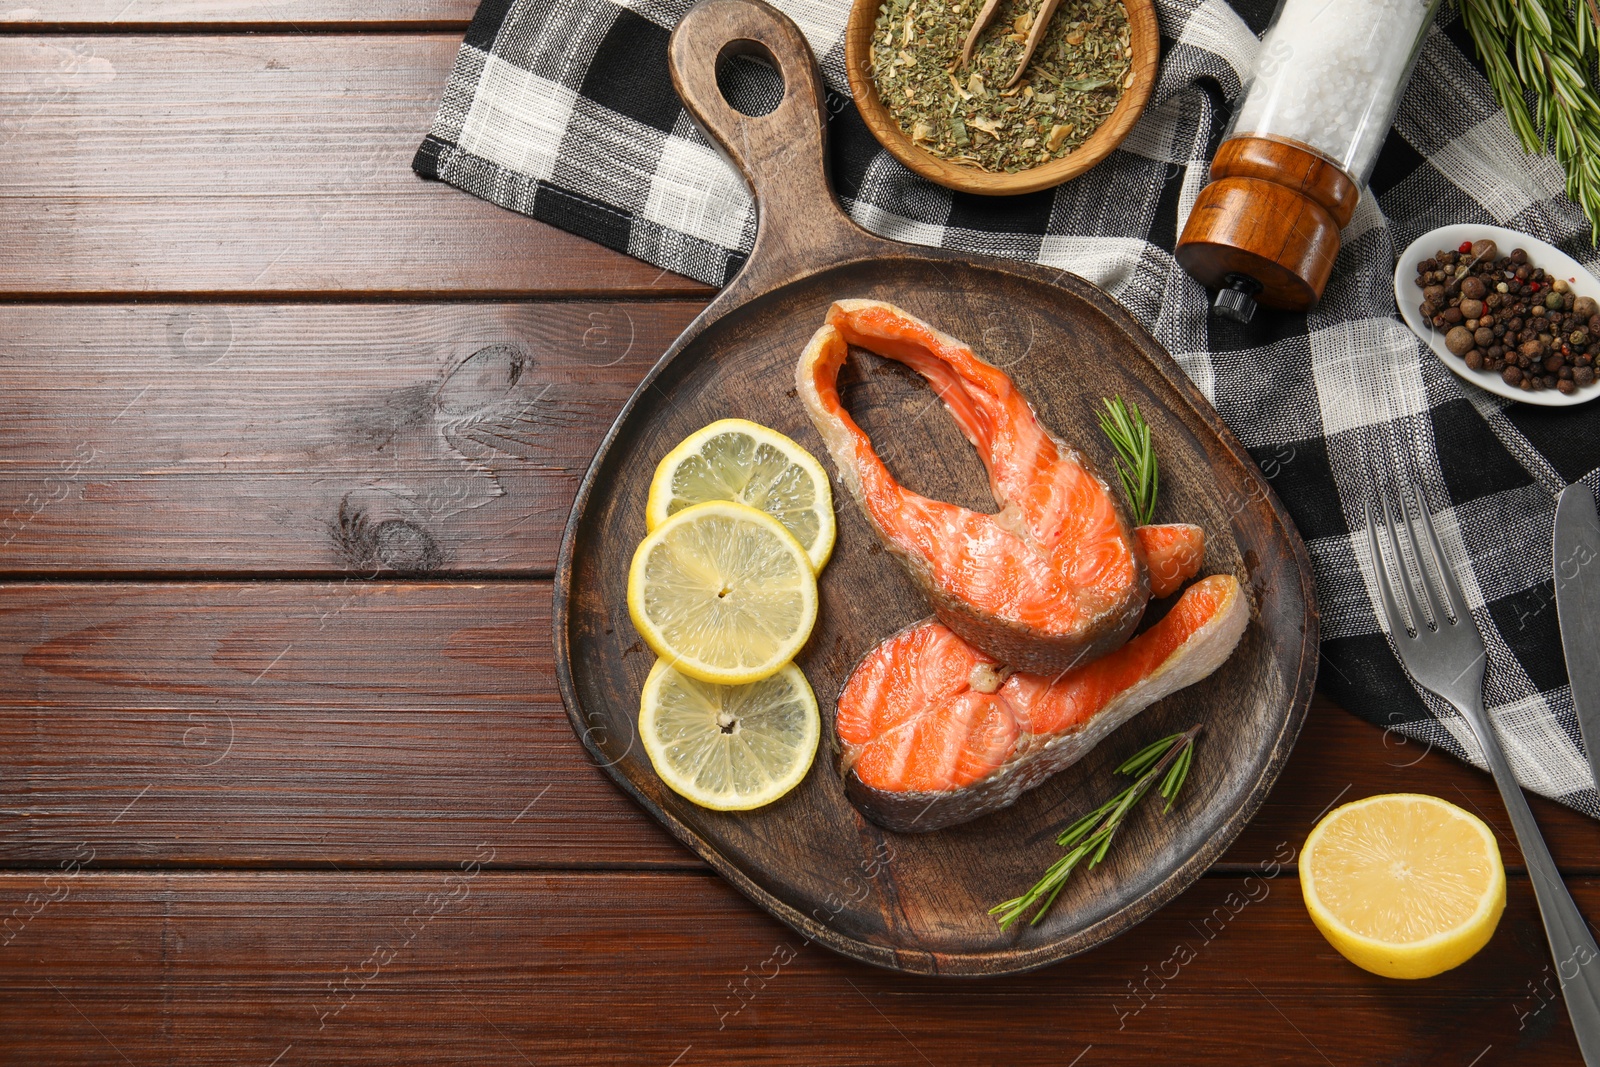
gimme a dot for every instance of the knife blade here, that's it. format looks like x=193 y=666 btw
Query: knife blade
x=1577 y=581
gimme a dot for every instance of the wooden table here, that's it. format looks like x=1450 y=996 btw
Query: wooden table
x=286 y=439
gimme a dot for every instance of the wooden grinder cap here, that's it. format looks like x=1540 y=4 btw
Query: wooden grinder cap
x=1271 y=214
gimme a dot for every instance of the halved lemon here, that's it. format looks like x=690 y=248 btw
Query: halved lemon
x=723 y=593
x=743 y=461
x=1403 y=885
x=729 y=747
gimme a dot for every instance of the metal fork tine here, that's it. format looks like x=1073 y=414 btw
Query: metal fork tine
x=1397 y=622
x=1437 y=605
x=1457 y=599
x=1408 y=581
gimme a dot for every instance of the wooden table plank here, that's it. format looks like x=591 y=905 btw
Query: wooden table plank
x=257 y=165
x=479 y=966
x=174 y=15
x=372 y=724
x=306 y=438
x=332 y=724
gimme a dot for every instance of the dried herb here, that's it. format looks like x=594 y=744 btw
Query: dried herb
x=1077 y=75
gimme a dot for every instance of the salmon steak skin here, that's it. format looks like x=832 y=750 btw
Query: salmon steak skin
x=1056 y=577
x=933 y=732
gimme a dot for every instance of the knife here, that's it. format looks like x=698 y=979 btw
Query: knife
x=1577 y=579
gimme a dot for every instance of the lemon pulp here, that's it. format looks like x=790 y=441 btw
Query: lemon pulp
x=1403 y=885
x=729 y=747
x=747 y=463
x=723 y=593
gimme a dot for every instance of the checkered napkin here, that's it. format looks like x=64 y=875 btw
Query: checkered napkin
x=563 y=110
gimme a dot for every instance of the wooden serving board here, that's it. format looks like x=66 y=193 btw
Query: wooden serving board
x=919 y=902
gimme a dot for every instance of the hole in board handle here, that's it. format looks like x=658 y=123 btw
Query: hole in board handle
x=749 y=79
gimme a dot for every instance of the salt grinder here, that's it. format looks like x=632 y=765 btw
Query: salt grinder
x=1289 y=171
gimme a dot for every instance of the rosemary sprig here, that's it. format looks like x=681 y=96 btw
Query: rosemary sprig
x=1547 y=50
x=1136 y=456
x=1090 y=837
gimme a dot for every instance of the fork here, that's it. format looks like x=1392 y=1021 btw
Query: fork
x=1444 y=652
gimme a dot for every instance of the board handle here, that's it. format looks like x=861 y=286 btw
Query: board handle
x=782 y=154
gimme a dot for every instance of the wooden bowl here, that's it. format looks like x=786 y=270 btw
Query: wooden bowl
x=1143 y=35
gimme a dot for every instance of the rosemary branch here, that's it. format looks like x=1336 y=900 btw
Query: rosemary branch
x=1547 y=50
x=1090 y=837
x=1136 y=456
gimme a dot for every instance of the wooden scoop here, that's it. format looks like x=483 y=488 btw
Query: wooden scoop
x=1035 y=35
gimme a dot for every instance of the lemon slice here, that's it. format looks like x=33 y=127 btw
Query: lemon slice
x=729 y=747
x=1403 y=885
x=722 y=592
x=742 y=461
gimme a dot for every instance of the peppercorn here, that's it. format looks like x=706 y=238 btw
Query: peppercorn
x=1504 y=315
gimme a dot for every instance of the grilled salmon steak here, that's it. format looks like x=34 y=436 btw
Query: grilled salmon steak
x=1057 y=576
x=1173 y=553
x=933 y=732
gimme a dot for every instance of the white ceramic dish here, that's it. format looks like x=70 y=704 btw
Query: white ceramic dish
x=1555 y=263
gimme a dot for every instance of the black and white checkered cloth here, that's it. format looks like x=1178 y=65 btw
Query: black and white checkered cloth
x=563 y=110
